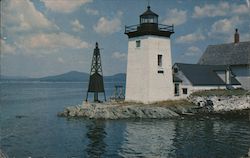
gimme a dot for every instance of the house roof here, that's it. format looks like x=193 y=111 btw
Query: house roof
x=204 y=74
x=227 y=54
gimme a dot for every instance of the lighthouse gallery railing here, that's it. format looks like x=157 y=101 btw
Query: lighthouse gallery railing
x=161 y=27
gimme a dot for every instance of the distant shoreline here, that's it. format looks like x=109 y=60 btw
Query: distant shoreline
x=72 y=76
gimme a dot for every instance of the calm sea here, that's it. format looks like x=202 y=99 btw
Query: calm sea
x=30 y=128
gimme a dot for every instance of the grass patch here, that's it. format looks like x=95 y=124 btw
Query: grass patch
x=221 y=92
x=125 y=103
x=181 y=102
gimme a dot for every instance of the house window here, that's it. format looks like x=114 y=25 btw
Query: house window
x=176 y=89
x=160 y=71
x=138 y=44
x=159 y=60
x=184 y=91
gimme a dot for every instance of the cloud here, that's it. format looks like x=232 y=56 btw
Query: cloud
x=220 y=9
x=224 y=29
x=176 y=17
x=108 y=26
x=240 y=9
x=225 y=26
x=7 y=48
x=189 y=38
x=193 y=51
x=64 y=6
x=50 y=42
x=92 y=11
x=119 y=56
x=211 y=10
x=245 y=37
x=77 y=27
x=23 y=16
x=60 y=60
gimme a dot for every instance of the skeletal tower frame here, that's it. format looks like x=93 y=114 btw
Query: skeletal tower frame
x=96 y=84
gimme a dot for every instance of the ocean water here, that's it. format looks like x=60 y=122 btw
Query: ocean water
x=30 y=128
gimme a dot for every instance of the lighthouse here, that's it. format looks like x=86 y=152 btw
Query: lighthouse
x=149 y=66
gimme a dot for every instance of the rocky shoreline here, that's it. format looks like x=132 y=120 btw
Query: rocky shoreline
x=221 y=103
x=116 y=111
x=195 y=105
x=3 y=155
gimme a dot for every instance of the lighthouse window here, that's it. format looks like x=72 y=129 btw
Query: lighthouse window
x=176 y=89
x=138 y=44
x=159 y=60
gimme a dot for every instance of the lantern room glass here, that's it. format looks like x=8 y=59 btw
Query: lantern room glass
x=149 y=19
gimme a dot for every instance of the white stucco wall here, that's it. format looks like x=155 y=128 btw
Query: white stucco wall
x=192 y=89
x=242 y=74
x=245 y=82
x=222 y=75
x=144 y=83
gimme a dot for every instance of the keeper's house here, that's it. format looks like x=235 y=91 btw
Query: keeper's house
x=236 y=55
x=189 y=78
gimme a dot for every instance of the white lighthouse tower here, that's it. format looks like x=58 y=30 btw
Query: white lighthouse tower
x=149 y=68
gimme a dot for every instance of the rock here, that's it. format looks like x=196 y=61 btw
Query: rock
x=222 y=103
x=112 y=111
x=247 y=155
x=2 y=154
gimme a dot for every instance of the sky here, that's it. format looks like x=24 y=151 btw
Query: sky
x=50 y=37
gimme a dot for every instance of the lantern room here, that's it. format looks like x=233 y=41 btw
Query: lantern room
x=149 y=26
x=148 y=17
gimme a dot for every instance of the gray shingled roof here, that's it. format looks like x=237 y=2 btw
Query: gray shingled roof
x=204 y=74
x=227 y=54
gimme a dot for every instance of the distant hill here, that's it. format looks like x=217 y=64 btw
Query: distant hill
x=75 y=76
x=72 y=76
x=116 y=77
x=67 y=77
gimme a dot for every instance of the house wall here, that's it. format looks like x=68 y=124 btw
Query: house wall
x=242 y=74
x=190 y=88
x=144 y=83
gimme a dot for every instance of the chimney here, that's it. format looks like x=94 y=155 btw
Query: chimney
x=236 y=36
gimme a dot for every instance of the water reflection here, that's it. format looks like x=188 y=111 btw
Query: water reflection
x=153 y=138
x=59 y=137
x=209 y=137
x=96 y=134
x=190 y=137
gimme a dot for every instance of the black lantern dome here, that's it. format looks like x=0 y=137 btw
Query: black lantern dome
x=149 y=26
x=148 y=17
